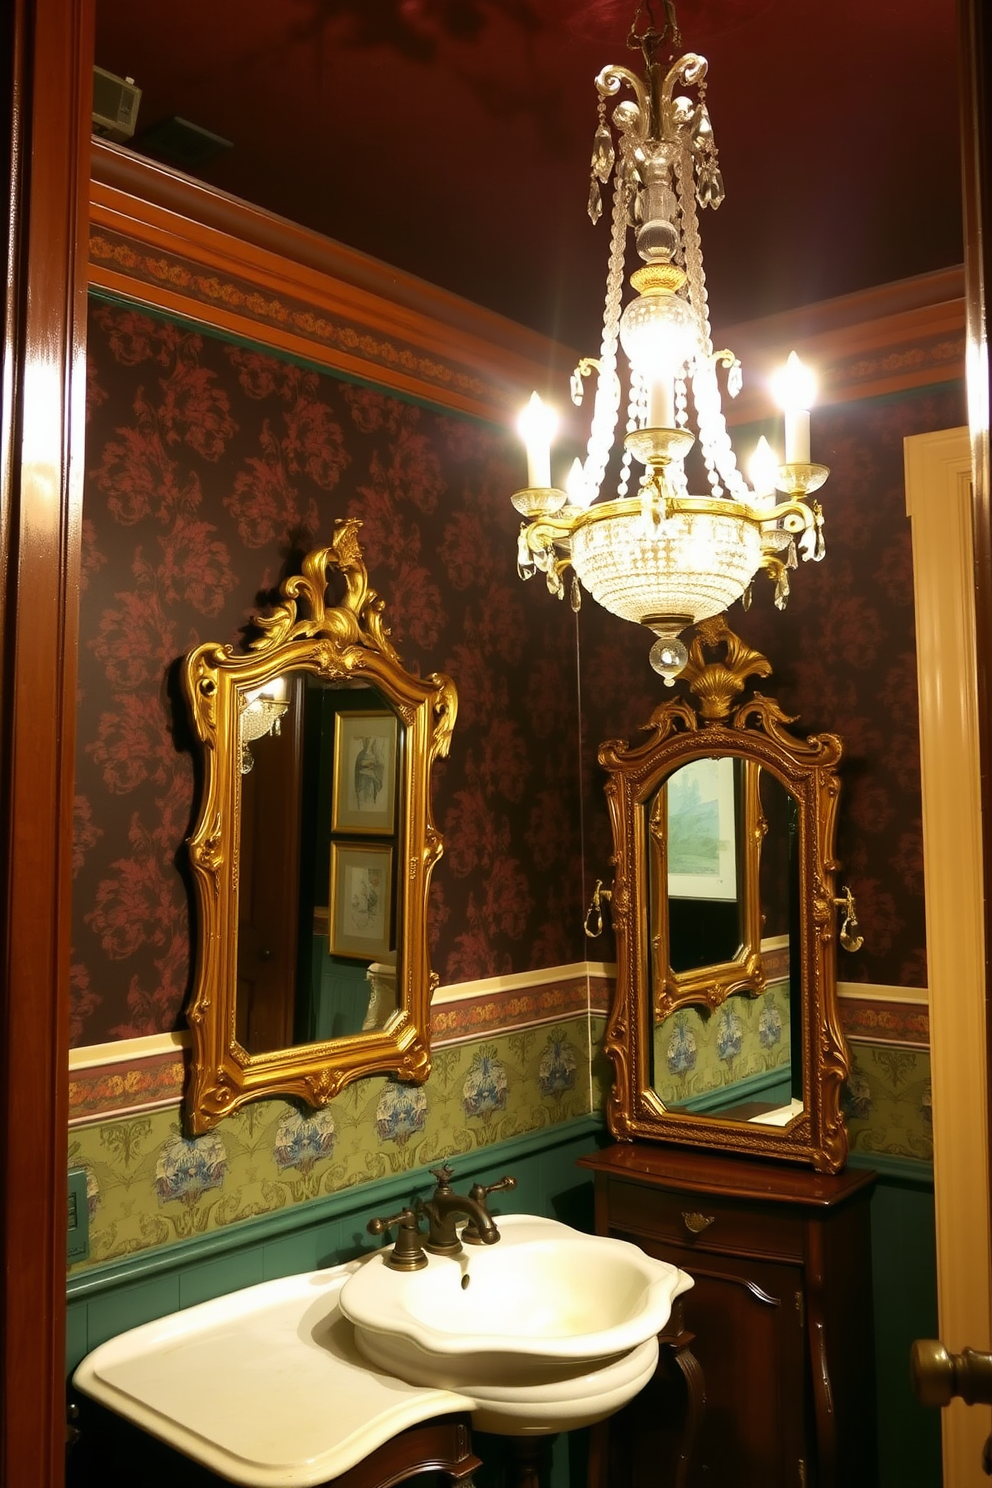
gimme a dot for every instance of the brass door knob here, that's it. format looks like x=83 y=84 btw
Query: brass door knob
x=938 y=1376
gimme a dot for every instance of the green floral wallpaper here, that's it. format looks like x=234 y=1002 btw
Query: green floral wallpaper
x=887 y=1101
x=149 y=1185
x=697 y=1051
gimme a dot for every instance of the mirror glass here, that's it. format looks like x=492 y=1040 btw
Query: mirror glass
x=317 y=939
x=725 y=1029
x=313 y=847
x=727 y=829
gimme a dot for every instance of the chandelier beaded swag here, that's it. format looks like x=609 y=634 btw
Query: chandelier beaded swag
x=658 y=555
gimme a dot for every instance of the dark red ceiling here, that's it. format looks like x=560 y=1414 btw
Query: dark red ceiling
x=452 y=137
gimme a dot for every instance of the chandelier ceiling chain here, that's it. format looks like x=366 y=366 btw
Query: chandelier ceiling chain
x=661 y=556
x=648 y=42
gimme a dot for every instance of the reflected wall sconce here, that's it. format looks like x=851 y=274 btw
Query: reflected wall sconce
x=262 y=712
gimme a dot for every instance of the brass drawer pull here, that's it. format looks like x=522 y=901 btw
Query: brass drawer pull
x=695 y=1222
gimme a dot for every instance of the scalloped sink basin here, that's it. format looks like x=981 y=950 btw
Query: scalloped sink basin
x=545 y=1312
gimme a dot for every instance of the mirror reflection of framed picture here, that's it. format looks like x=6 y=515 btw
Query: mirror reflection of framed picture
x=364 y=794
x=702 y=830
x=361 y=895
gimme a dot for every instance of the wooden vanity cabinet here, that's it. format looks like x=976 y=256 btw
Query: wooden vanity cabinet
x=780 y=1319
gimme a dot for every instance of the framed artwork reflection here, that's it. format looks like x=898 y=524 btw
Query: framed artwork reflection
x=361 y=901
x=702 y=830
x=363 y=798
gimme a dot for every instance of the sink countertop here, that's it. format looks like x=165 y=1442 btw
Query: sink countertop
x=264 y=1386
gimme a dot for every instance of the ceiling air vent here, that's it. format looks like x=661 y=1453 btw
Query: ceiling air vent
x=115 y=105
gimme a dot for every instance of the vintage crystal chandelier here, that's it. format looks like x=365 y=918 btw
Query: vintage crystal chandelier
x=658 y=555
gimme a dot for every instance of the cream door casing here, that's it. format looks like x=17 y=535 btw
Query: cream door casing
x=939 y=502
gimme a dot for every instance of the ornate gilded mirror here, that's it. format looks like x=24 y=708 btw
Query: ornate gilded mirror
x=313 y=847
x=724 y=1030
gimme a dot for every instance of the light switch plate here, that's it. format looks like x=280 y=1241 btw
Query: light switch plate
x=79 y=1217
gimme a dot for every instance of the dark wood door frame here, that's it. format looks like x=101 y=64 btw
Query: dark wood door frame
x=975 y=31
x=47 y=63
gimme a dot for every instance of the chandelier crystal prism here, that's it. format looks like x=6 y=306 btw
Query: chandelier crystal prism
x=658 y=555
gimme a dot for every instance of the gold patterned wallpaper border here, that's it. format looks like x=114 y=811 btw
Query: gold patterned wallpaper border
x=886 y=1022
x=354 y=344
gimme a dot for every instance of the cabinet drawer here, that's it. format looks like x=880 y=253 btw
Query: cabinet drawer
x=700 y=1222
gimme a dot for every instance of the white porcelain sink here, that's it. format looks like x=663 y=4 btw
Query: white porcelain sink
x=546 y=1330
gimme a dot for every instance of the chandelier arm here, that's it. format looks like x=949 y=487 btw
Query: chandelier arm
x=689 y=69
x=545 y=532
x=609 y=82
x=795 y=516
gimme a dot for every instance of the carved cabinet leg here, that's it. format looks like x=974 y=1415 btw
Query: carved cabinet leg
x=651 y=1441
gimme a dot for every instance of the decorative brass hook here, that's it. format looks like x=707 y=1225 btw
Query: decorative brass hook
x=594 y=914
x=848 y=936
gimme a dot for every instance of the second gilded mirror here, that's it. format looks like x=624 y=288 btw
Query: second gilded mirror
x=313 y=847
x=725 y=1029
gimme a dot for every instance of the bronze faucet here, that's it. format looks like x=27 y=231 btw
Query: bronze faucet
x=444 y=1206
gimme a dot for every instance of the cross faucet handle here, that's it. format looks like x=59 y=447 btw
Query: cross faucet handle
x=408 y=1253
x=443 y=1174
x=479 y=1192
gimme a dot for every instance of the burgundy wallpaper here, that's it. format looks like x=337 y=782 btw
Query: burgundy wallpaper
x=844 y=658
x=210 y=469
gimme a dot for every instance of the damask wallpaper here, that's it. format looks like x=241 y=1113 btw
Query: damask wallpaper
x=210 y=469
x=844 y=659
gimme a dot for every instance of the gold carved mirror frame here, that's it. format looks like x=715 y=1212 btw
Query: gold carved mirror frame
x=716 y=724
x=346 y=644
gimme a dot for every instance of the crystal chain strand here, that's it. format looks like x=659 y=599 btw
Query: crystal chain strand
x=607 y=405
x=717 y=451
x=637 y=406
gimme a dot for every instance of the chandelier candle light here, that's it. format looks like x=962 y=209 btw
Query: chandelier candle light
x=659 y=556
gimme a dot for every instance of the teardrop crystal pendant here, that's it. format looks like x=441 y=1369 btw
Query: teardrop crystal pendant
x=702 y=128
x=603 y=154
x=575 y=595
x=781 y=590
x=709 y=186
x=595 y=207
x=819 y=546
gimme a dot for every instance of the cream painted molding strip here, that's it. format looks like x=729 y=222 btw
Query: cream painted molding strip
x=128 y=1051
x=877 y=992
x=520 y=981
